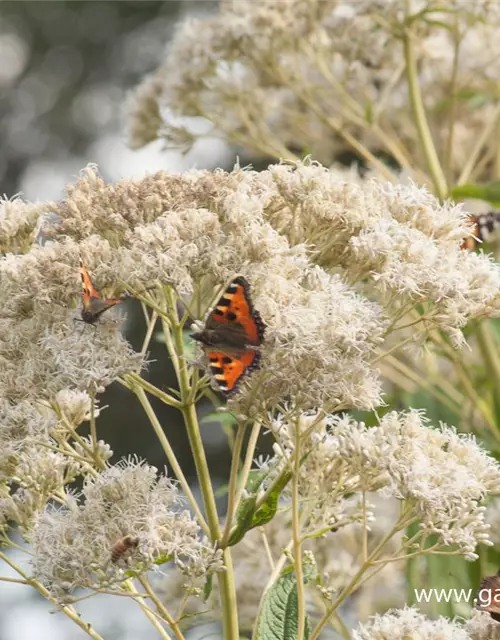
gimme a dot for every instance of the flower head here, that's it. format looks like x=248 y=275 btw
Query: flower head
x=409 y=624
x=443 y=476
x=74 y=546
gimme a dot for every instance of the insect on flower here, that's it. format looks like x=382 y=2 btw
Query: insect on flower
x=123 y=545
x=94 y=304
x=489 y=596
x=485 y=224
x=232 y=335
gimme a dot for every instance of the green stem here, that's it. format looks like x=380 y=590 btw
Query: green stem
x=348 y=589
x=233 y=483
x=422 y=125
x=131 y=378
x=171 y=457
x=152 y=617
x=226 y=578
x=93 y=428
x=162 y=610
x=297 y=541
x=490 y=353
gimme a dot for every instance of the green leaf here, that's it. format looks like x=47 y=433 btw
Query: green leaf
x=164 y=559
x=207 y=589
x=255 y=479
x=225 y=418
x=489 y=192
x=244 y=517
x=266 y=512
x=279 y=614
x=248 y=517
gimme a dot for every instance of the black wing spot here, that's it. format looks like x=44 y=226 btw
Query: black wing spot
x=231 y=316
x=216 y=369
x=226 y=360
x=218 y=312
x=224 y=302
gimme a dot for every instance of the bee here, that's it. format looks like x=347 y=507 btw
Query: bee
x=123 y=546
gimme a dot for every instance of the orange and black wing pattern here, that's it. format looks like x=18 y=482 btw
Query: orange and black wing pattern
x=235 y=311
x=483 y=226
x=235 y=307
x=228 y=370
x=93 y=302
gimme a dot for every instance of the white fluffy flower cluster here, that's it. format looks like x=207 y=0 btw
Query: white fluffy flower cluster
x=19 y=224
x=74 y=545
x=441 y=475
x=286 y=230
x=311 y=73
x=409 y=624
x=195 y=232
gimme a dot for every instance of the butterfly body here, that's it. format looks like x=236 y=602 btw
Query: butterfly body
x=94 y=304
x=232 y=335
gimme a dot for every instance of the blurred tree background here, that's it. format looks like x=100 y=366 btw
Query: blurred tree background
x=65 y=70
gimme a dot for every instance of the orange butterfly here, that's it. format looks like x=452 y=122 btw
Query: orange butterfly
x=232 y=334
x=485 y=224
x=94 y=304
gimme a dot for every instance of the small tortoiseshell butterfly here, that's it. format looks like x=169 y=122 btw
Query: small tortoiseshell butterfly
x=484 y=224
x=232 y=335
x=94 y=304
x=488 y=597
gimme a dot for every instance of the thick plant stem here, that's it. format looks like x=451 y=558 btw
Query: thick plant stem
x=490 y=352
x=233 y=483
x=226 y=578
x=297 y=542
x=424 y=133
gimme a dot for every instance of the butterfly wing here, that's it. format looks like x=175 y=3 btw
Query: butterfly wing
x=489 y=596
x=228 y=370
x=235 y=308
x=93 y=304
x=483 y=226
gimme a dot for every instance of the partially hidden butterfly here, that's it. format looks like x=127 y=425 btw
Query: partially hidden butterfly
x=94 y=304
x=484 y=225
x=232 y=335
x=488 y=597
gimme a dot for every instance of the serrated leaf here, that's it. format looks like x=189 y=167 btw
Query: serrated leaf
x=279 y=614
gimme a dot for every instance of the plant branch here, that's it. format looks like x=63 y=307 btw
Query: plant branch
x=421 y=123
x=68 y=610
x=297 y=541
x=171 y=457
